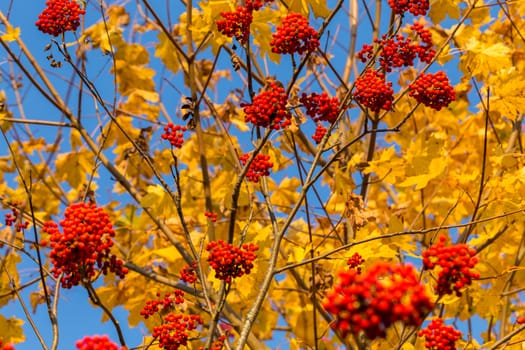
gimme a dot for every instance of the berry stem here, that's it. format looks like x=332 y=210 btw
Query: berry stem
x=93 y=296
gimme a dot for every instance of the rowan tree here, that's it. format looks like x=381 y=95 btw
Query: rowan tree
x=241 y=174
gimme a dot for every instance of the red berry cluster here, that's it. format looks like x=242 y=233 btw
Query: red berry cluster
x=355 y=262
x=6 y=346
x=456 y=262
x=174 y=134
x=212 y=216
x=187 y=273
x=230 y=261
x=373 y=92
x=174 y=332
x=424 y=50
x=320 y=107
x=97 y=343
x=86 y=241
x=59 y=16
x=320 y=131
x=520 y=320
x=432 y=90
x=13 y=219
x=237 y=23
x=438 y=336
x=269 y=108
x=260 y=166
x=371 y=302
x=294 y=35
x=400 y=51
x=165 y=303
x=218 y=344
x=415 y=7
x=257 y=4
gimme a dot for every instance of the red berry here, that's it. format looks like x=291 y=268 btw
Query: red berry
x=455 y=262
x=174 y=332
x=97 y=343
x=371 y=302
x=165 y=304
x=236 y=23
x=230 y=261
x=432 y=90
x=320 y=131
x=355 y=261
x=219 y=343
x=212 y=216
x=59 y=16
x=84 y=246
x=294 y=35
x=320 y=107
x=415 y=7
x=373 y=92
x=15 y=219
x=174 y=134
x=260 y=166
x=6 y=346
x=268 y=109
x=424 y=51
x=187 y=273
x=256 y=5
x=438 y=336
x=520 y=320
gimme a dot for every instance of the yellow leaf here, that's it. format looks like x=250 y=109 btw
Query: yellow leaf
x=4 y=113
x=240 y=124
x=439 y=9
x=12 y=34
x=133 y=54
x=140 y=102
x=167 y=53
x=74 y=167
x=299 y=253
x=158 y=201
x=485 y=57
x=286 y=194
x=147 y=95
x=294 y=344
x=203 y=22
x=130 y=77
x=436 y=168
x=508 y=94
x=12 y=331
x=318 y=7
x=36 y=298
x=279 y=161
x=481 y=14
x=170 y=254
x=34 y=144
x=450 y=299
x=226 y=191
x=262 y=32
x=9 y=264
x=99 y=37
x=101 y=34
x=75 y=139
x=395 y=225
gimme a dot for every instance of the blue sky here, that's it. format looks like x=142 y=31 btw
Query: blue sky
x=77 y=318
